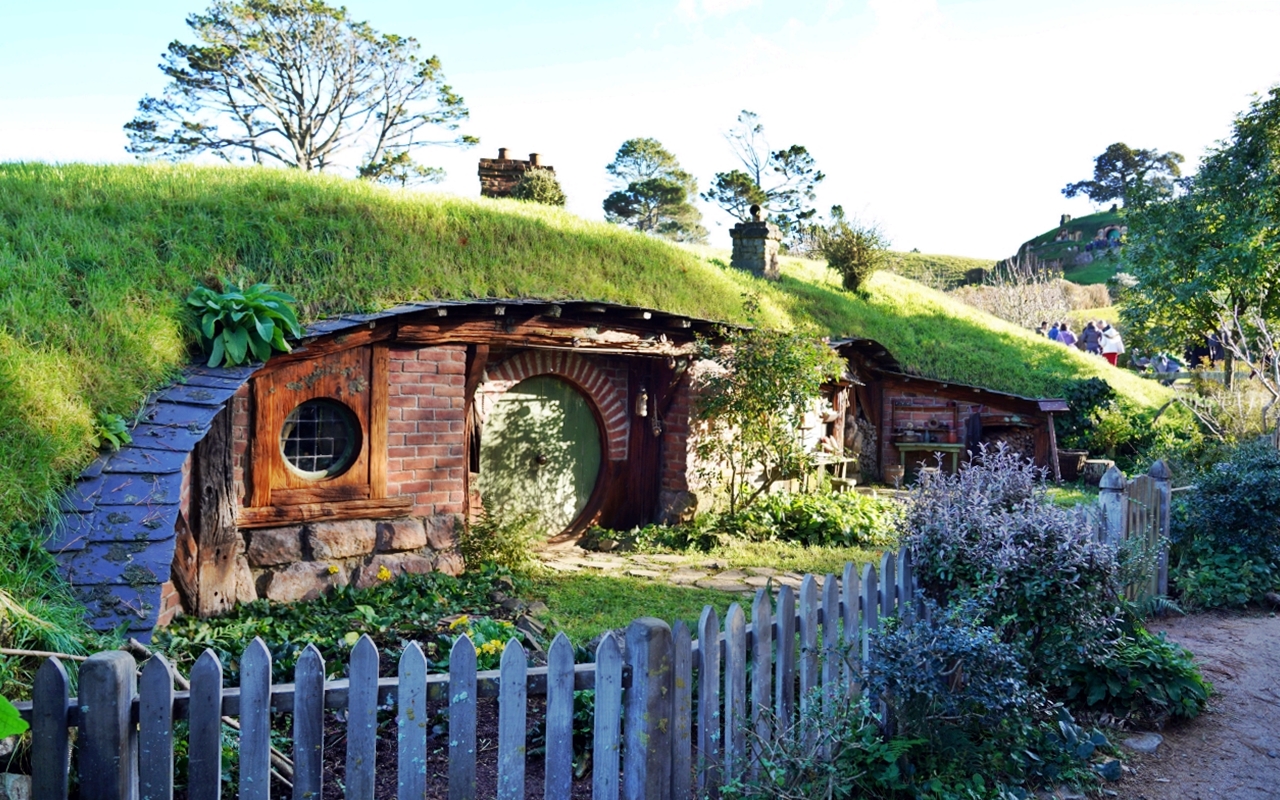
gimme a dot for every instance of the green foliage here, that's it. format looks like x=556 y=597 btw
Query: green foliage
x=992 y=536
x=489 y=635
x=848 y=519
x=935 y=271
x=1146 y=679
x=239 y=324
x=10 y=721
x=1236 y=503
x=1084 y=397
x=1222 y=577
x=539 y=186
x=1120 y=172
x=653 y=195
x=494 y=540
x=753 y=404
x=110 y=431
x=391 y=613
x=296 y=83
x=852 y=249
x=1214 y=251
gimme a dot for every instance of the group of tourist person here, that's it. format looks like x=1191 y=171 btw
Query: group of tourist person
x=1098 y=338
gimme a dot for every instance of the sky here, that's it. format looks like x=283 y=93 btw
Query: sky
x=952 y=124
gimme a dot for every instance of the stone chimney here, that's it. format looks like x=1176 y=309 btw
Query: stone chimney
x=755 y=246
x=499 y=176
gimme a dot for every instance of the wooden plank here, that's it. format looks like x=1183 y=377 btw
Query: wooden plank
x=832 y=653
x=538 y=332
x=379 y=389
x=308 y=725
x=761 y=673
x=606 y=744
x=319 y=494
x=462 y=719
x=809 y=674
x=107 y=740
x=682 y=711
x=735 y=693
x=905 y=589
x=50 y=757
x=274 y=516
x=204 y=747
x=709 y=722
x=331 y=344
x=785 y=688
x=512 y=714
x=849 y=590
x=888 y=585
x=646 y=767
x=412 y=724
x=258 y=468
x=213 y=494
x=558 y=777
x=255 y=722
x=870 y=608
x=362 y=720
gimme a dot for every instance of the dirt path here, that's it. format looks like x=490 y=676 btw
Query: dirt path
x=1233 y=750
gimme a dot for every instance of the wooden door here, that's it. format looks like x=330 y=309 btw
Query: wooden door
x=540 y=453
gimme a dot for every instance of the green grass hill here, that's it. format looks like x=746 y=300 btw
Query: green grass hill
x=95 y=262
x=940 y=272
x=1045 y=249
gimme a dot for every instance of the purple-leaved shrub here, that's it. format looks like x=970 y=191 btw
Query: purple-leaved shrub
x=1032 y=570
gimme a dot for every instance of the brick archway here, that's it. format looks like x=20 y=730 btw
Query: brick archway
x=605 y=394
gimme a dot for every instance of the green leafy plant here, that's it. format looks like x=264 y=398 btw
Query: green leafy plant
x=539 y=186
x=239 y=323
x=852 y=249
x=492 y=539
x=1147 y=677
x=820 y=519
x=110 y=431
x=1228 y=577
x=490 y=637
x=11 y=722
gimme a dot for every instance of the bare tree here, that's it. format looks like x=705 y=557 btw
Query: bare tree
x=1019 y=292
x=1249 y=339
x=298 y=83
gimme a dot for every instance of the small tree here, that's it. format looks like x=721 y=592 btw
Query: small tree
x=853 y=249
x=754 y=403
x=539 y=186
x=653 y=194
x=1120 y=172
x=298 y=83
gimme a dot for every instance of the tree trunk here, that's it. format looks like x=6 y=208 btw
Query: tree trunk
x=217 y=539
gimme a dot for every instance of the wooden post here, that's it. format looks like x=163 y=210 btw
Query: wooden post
x=1110 y=502
x=217 y=539
x=646 y=759
x=1163 y=477
x=1053 y=449
x=108 y=739
x=50 y=758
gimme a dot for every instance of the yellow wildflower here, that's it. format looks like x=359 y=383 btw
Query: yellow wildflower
x=459 y=622
x=384 y=574
x=333 y=569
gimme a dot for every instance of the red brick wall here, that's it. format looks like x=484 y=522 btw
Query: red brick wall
x=675 y=440
x=897 y=403
x=240 y=436
x=425 y=422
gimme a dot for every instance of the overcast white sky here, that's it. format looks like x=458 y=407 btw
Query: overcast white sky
x=953 y=123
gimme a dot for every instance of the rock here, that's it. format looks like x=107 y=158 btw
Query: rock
x=371 y=574
x=245 y=591
x=537 y=608
x=271 y=546
x=441 y=530
x=607 y=545
x=1272 y=598
x=7 y=745
x=676 y=507
x=331 y=540
x=644 y=573
x=513 y=604
x=763 y=571
x=1272 y=754
x=450 y=563
x=304 y=580
x=15 y=787
x=397 y=535
x=1110 y=770
x=686 y=576
x=1143 y=742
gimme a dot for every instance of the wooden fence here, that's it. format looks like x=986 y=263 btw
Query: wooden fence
x=1139 y=509
x=648 y=741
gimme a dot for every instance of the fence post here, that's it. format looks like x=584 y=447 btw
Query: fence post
x=646 y=759
x=1111 y=489
x=108 y=739
x=1161 y=474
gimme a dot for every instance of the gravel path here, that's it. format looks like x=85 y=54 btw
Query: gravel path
x=1232 y=750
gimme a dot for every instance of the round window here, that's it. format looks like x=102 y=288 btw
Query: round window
x=320 y=439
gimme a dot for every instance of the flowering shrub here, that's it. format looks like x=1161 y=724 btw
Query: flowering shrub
x=489 y=636
x=991 y=535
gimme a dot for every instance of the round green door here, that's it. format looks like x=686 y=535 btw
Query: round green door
x=540 y=453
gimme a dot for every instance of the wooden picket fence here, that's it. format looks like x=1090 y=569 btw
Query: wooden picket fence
x=648 y=740
x=1139 y=509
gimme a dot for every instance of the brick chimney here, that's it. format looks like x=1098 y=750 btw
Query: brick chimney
x=499 y=176
x=755 y=246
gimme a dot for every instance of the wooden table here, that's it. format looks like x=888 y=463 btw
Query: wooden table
x=955 y=449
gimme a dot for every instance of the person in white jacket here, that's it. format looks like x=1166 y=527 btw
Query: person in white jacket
x=1112 y=344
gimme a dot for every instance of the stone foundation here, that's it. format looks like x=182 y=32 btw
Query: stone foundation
x=301 y=562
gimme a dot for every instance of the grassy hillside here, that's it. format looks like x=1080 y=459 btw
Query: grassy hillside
x=95 y=262
x=1046 y=249
x=940 y=272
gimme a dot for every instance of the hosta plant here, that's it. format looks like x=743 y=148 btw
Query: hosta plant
x=237 y=324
